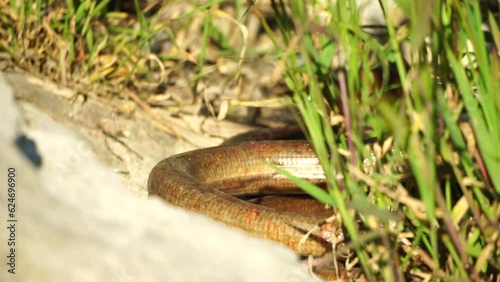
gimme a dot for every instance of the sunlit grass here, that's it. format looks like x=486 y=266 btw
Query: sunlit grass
x=85 y=43
x=438 y=147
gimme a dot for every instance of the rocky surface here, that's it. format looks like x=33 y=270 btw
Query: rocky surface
x=81 y=220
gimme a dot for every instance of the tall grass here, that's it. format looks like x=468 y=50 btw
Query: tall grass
x=425 y=196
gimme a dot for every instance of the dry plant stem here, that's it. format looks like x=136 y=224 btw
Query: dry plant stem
x=157 y=120
x=455 y=238
x=393 y=258
x=347 y=116
x=116 y=139
x=475 y=211
x=424 y=257
x=482 y=167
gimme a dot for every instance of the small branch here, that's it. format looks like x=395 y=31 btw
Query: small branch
x=347 y=116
